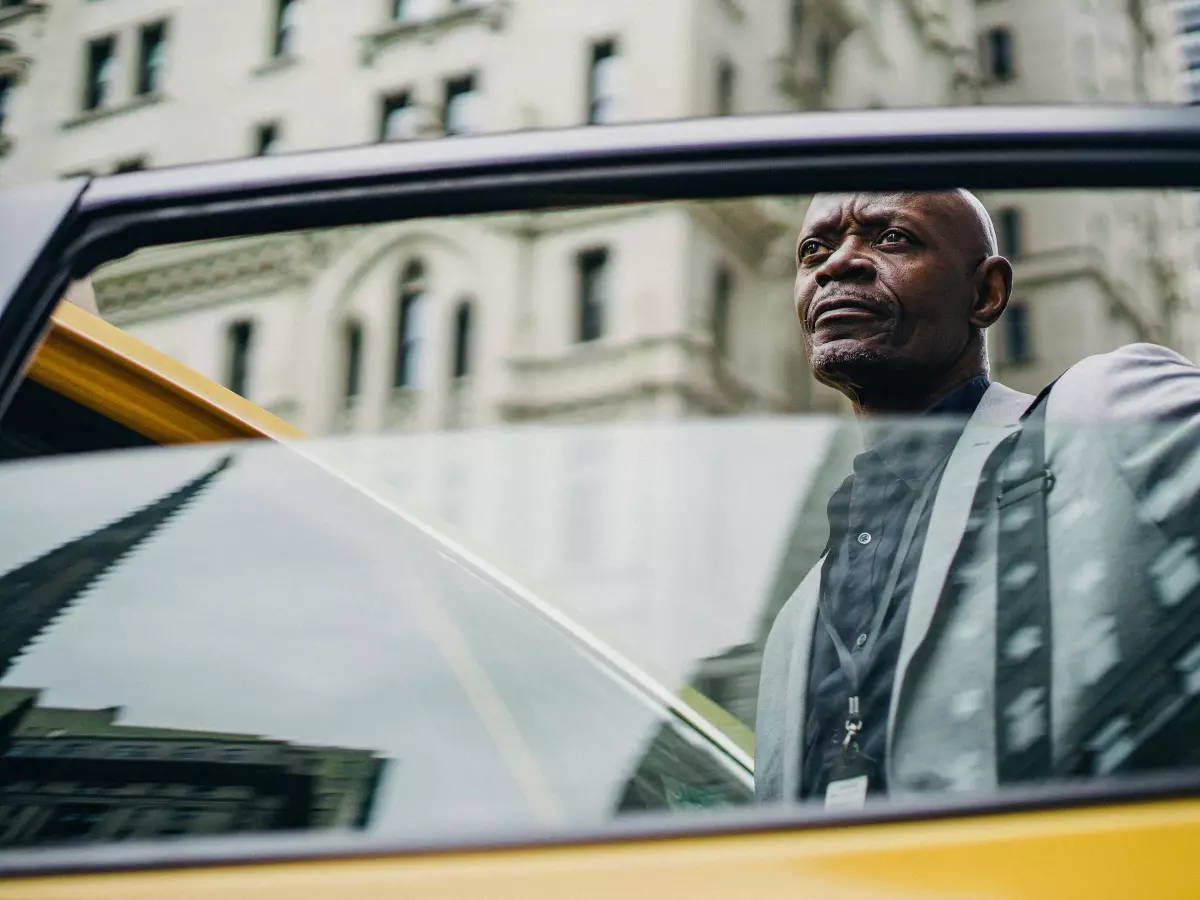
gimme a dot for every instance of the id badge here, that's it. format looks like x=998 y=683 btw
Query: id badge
x=849 y=782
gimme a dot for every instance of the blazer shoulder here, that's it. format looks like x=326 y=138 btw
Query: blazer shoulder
x=1137 y=381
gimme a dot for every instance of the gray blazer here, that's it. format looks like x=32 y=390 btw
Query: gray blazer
x=941 y=730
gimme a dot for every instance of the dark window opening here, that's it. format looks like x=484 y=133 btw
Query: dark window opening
x=266 y=136
x=152 y=48
x=458 y=112
x=722 y=300
x=240 y=340
x=409 y=330
x=72 y=820
x=726 y=88
x=6 y=88
x=1008 y=232
x=135 y=164
x=395 y=121
x=998 y=54
x=353 y=356
x=100 y=58
x=602 y=69
x=285 y=28
x=40 y=422
x=462 y=340
x=1017 y=338
x=593 y=294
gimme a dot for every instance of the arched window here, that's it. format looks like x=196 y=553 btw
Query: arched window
x=410 y=326
x=353 y=342
x=462 y=339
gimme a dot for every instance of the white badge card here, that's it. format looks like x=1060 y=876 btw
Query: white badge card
x=847 y=793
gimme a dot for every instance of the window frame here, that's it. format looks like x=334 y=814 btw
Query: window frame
x=600 y=109
x=593 y=274
x=149 y=86
x=98 y=78
x=412 y=301
x=459 y=89
x=239 y=350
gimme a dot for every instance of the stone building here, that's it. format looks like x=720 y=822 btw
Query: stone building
x=82 y=776
x=660 y=312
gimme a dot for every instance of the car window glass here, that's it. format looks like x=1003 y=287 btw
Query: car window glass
x=551 y=555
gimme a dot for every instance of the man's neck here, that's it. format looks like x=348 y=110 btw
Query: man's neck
x=912 y=399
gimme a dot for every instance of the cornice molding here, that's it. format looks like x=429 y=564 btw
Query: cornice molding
x=189 y=278
x=13 y=14
x=109 y=112
x=720 y=390
x=494 y=14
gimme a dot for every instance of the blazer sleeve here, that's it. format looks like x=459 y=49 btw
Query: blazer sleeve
x=1146 y=400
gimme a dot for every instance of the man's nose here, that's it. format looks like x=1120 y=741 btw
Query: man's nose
x=846 y=263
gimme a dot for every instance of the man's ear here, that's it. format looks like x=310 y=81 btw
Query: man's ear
x=993 y=286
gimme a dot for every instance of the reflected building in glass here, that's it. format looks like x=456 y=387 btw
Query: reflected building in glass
x=83 y=775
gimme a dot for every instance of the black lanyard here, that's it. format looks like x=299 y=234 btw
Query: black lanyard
x=850 y=667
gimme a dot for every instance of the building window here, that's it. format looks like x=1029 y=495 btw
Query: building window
x=997 y=52
x=266 y=136
x=458 y=114
x=395 y=121
x=6 y=88
x=152 y=49
x=239 y=341
x=593 y=293
x=134 y=164
x=726 y=88
x=602 y=83
x=284 y=43
x=825 y=52
x=353 y=338
x=1017 y=338
x=1008 y=232
x=722 y=300
x=101 y=54
x=462 y=340
x=409 y=327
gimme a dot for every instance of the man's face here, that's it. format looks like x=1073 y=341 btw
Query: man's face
x=885 y=285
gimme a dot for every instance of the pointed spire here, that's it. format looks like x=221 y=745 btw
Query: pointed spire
x=35 y=594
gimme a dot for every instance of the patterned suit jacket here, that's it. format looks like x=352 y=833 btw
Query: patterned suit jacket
x=1123 y=441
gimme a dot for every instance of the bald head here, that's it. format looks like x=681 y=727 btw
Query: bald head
x=893 y=291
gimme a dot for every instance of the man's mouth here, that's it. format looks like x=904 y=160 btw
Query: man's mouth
x=836 y=309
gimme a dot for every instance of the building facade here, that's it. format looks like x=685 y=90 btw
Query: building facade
x=662 y=312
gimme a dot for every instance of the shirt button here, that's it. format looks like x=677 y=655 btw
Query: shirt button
x=862 y=639
x=864 y=539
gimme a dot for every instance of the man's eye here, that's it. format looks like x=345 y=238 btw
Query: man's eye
x=809 y=248
x=892 y=236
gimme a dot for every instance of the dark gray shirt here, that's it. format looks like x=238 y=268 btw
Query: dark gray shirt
x=866 y=517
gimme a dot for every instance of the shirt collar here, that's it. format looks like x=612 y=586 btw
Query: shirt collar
x=914 y=446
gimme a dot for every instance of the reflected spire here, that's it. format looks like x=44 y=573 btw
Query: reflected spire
x=35 y=594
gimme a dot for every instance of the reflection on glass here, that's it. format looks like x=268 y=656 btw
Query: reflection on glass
x=241 y=643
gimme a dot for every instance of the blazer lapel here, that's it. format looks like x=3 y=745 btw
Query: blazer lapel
x=997 y=416
x=797 y=689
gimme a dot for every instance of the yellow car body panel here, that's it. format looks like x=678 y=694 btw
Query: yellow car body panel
x=1144 y=850
x=99 y=366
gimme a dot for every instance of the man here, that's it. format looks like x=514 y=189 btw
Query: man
x=880 y=673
